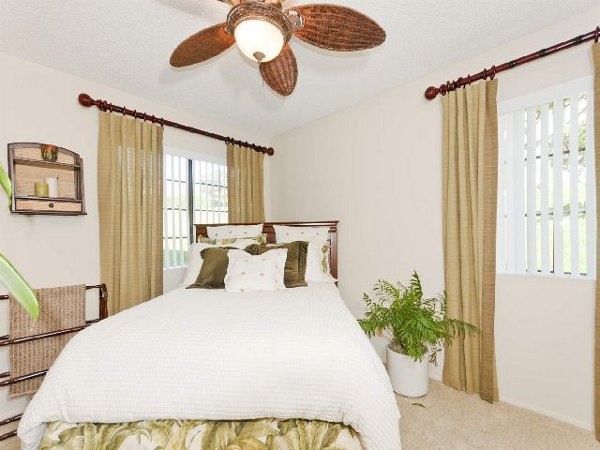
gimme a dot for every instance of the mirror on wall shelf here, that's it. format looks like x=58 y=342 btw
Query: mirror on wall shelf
x=46 y=180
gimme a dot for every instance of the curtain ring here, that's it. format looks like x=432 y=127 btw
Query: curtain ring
x=493 y=75
x=597 y=34
x=485 y=75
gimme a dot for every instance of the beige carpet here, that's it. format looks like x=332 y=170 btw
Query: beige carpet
x=452 y=420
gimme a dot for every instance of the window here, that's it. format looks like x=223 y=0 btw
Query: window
x=195 y=191
x=546 y=201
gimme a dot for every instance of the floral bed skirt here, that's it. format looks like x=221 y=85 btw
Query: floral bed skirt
x=262 y=434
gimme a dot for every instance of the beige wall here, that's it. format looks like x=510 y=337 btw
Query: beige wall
x=40 y=104
x=377 y=168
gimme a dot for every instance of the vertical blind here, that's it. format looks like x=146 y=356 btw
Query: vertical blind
x=210 y=192
x=176 y=226
x=195 y=191
x=546 y=202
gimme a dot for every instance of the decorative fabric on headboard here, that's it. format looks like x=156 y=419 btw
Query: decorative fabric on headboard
x=270 y=232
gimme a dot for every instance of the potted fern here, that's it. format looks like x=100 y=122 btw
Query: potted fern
x=9 y=276
x=417 y=328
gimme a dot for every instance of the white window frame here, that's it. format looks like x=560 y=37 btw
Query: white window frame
x=517 y=246
x=184 y=238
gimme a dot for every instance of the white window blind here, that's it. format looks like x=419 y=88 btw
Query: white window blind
x=210 y=192
x=195 y=191
x=546 y=201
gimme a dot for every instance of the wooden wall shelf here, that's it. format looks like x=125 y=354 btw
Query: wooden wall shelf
x=42 y=163
x=26 y=166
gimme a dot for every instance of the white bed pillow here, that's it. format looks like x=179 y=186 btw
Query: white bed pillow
x=317 y=260
x=261 y=239
x=234 y=231
x=253 y=273
x=195 y=259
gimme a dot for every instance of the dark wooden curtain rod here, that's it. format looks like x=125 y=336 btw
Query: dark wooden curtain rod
x=431 y=92
x=103 y=105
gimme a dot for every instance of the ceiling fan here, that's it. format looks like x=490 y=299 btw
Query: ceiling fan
x=262 y=31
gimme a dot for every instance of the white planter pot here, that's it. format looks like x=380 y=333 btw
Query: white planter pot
x=409 y=378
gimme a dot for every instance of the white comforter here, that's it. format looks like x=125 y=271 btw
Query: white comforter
x=198 y=354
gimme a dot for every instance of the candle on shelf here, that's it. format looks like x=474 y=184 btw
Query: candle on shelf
x=41 y=190
x=52 y=183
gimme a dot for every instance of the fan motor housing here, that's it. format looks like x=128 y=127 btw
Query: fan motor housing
x=259 y=11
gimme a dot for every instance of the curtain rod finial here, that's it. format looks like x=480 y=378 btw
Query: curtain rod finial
x=270 y=151
x=431 y=92
x=85 y=100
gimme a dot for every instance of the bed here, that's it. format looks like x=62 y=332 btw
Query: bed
x=211 y=370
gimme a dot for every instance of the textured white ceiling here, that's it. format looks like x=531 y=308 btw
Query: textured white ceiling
x=126 y=44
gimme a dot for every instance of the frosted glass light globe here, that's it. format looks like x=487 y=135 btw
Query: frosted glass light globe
x=259 y=40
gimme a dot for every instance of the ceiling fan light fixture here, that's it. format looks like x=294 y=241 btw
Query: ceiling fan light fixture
x=260 y=30
x=259 y=40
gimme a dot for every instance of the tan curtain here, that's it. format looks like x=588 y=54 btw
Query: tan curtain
x=130 y=159
x=245 y=184
x=596 y=53
x=470 y=179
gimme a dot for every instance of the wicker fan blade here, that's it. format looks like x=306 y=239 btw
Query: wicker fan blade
x=338 y=28
x=281 y=73
x=237 y=2
x=202 y=46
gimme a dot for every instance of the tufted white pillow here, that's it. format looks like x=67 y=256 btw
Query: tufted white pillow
x=234 y=231
x=317 y=260
x=252 y=273
x=195 y=259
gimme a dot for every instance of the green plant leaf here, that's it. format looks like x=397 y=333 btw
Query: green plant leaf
x=18 y=287
x=415 y=324
x=5 y=183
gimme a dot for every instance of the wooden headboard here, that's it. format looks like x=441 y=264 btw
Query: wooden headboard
x=270 y=232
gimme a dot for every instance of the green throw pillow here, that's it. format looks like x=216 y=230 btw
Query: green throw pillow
x=295 y=264
x=214 y=268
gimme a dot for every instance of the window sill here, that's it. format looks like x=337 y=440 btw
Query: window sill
x=546 y=276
